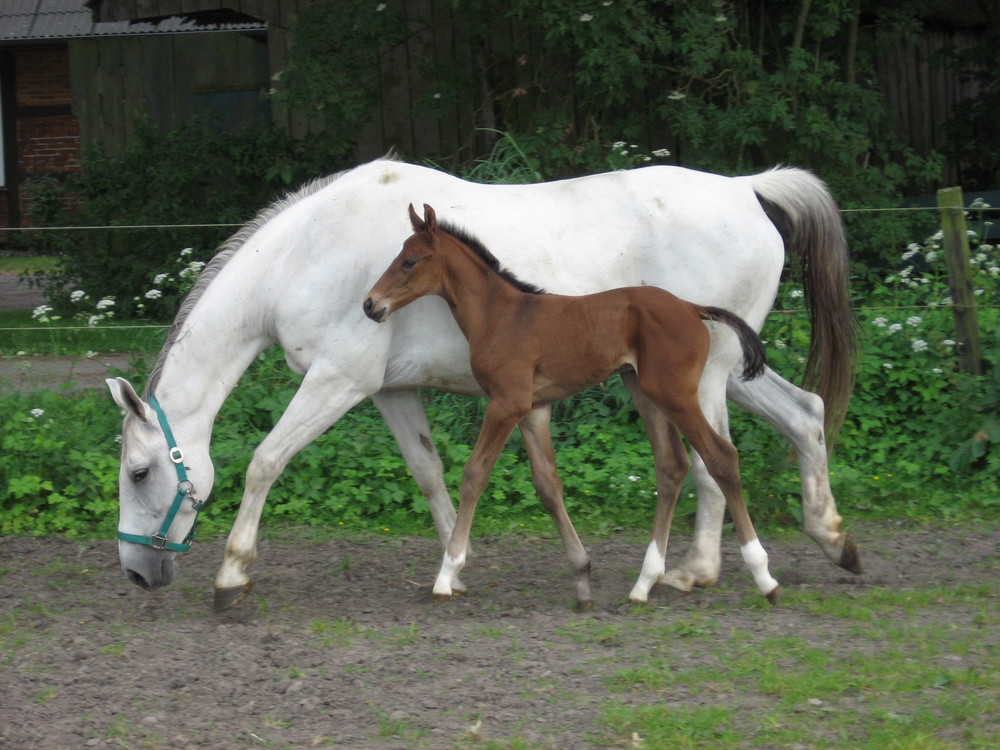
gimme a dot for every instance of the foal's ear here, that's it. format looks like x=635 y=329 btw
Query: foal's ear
x=430 y=219
x=415 y=221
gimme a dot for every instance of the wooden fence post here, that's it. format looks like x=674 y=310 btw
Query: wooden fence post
x=956 y=250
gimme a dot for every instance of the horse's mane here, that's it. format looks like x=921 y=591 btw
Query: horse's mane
x=488 y=258
x=225 y=252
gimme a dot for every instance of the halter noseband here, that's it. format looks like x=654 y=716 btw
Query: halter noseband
x=184 y=490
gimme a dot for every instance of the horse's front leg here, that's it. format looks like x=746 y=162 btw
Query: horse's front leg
x=498 y=424
x=405 y=415
x=798 y=415
x=322 y=399
x=538 y=443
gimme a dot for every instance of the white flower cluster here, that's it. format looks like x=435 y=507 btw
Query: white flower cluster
x=633 y=153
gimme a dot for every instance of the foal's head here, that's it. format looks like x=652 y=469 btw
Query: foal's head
x=416 y=271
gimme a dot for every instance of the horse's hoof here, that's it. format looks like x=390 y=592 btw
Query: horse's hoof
x=438 y=599
x=850 y=556
x=229 y=598
x=585 y=606
x=774 y=596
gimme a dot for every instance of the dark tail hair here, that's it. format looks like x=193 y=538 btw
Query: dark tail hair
x=754 y=360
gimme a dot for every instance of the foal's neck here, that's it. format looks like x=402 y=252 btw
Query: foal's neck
x=479 y=297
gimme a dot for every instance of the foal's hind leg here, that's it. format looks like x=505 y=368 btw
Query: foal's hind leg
x=538 y=442
x=672 y=464
x=721 y=460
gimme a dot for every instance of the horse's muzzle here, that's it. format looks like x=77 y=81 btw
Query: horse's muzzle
x=377 y=315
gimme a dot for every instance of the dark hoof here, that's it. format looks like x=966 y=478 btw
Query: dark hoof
x=438 y=599
x=850 y=557
x=229 y=598
x=587 y=606
x=774 y=596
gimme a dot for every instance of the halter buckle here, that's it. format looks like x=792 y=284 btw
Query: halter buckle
x=176 y=455
x=158 y=541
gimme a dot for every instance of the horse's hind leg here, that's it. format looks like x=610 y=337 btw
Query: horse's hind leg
x=404 y=413
x=322 y=399
x=798 y=415
x=671 y=464
x=538 y=443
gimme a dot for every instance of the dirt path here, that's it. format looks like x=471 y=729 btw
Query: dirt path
x=338 y=647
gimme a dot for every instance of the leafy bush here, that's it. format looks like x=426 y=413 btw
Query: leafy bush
x=191 y=175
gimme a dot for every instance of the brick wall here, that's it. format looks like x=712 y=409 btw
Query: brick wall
x=48 y=136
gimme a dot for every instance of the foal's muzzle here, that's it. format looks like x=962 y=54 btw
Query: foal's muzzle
x=377 y=315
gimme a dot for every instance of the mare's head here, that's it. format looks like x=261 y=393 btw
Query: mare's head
x=417 y=270
x=158 y=485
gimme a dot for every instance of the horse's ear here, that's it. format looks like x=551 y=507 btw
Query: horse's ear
x=125 y=396
x=415 y=221
x=430 y=219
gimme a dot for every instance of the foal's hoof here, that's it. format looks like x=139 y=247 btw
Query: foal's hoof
x=774 y=596
x=585 y=606
x=229 y=598
x=850 y=556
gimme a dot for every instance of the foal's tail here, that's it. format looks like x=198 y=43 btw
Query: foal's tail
x=754 y=360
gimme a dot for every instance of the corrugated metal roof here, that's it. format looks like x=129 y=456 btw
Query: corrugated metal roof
x=39 y=20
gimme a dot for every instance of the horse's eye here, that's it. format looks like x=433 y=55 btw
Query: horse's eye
x=139 y=475
x=409 y=263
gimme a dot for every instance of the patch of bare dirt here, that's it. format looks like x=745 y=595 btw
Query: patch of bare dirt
x=339 y=647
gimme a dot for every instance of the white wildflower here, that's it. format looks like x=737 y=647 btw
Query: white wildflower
x=930 y=255
x=978 y=292
x=796 y=294
x=93 y=320
x=77 y=296
x=186 y=252
x=154 y=294
x=633 y=478
x=779 y=344
x=895 y=327
x=948 y=342
x=105 y=303
x=586 y=17
x=41 y=311
x=617 y=145
x=994 y=271
x=887 y=365
x=380 y=7
x=937 y=370
x=919 y=345
x=661 y=152
x=914 y=321
x=880 y=322
x=676 y=95
x=36 y=413
x=160 y=278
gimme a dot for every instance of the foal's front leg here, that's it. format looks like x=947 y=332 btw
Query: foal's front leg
x=538 y=443
x=498 y=424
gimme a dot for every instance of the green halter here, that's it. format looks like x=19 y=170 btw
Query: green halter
x=184 y=490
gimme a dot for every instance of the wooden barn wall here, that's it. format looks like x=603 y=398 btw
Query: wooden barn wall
x=922 y=94
x=166 y=79
x=419 y=113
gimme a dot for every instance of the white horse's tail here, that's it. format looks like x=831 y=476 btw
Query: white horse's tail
x=810 y=223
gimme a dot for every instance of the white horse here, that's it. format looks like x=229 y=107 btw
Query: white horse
x=297 y=274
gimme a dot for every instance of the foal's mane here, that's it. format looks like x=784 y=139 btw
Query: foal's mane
x=487 y=257
x=225 y=252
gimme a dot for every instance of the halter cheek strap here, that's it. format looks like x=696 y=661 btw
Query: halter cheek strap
x=184 y=490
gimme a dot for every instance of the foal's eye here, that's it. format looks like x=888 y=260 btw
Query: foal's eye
x=139 y=474
x=409 y=263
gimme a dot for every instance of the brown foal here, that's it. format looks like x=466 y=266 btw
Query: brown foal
x=529 y=349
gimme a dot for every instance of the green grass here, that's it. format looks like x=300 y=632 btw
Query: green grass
x=18 y=264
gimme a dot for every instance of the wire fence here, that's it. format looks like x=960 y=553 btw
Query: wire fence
x=887 y=308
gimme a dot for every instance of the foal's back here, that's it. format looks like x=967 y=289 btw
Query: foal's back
x=570 y=343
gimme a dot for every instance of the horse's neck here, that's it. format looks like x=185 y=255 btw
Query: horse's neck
x=200 y=369
x=479 y=298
